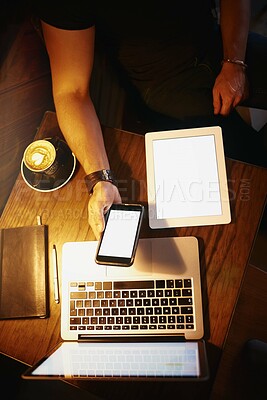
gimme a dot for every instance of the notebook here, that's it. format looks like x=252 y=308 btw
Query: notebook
x=24 y=272
x=142 y=322
x=186 y=178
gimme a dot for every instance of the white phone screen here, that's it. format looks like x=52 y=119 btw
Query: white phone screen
x=120 y=233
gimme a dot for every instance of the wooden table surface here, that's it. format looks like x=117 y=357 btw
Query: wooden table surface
x=224 y=249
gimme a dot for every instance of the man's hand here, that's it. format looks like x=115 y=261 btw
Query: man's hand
x=230 y=88
x=104 y=195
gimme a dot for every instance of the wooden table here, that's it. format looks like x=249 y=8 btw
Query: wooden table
x=224 y=249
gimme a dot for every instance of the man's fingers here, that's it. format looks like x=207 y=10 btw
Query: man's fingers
x=217 y=104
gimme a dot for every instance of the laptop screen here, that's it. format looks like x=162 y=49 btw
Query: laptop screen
x=142 y=360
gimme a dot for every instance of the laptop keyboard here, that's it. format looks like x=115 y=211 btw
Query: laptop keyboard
x=135 y=307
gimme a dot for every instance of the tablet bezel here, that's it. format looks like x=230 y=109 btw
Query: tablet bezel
x=224 y=217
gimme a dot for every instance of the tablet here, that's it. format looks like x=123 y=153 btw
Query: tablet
x=186 y=178
x=129 y=360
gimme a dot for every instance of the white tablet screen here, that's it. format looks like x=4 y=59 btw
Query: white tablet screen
x=186 y=179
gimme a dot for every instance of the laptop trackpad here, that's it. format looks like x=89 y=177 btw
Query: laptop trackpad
x=157 y=256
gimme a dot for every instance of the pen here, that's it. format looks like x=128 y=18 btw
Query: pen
x=55 y=270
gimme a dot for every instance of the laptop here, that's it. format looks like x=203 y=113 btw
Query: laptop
x=186 y=178
x=142 y=322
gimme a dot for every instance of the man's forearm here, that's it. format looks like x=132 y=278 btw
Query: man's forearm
x=81 y=128
x=235 y=22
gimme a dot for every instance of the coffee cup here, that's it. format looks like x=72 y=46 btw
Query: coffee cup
x=40 y=156
x=47 y=164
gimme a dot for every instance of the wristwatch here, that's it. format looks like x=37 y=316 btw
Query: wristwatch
x=105 y=175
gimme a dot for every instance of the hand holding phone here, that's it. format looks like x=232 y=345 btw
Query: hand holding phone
x=118 y=242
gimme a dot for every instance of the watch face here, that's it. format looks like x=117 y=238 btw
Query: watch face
x=106 y=174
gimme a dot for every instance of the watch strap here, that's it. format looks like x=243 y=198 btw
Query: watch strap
x=105 y=175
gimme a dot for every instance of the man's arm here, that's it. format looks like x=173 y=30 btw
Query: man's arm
x=71 y=55
x=231 y=85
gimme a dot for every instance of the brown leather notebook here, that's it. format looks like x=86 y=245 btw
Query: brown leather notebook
x=23 y=272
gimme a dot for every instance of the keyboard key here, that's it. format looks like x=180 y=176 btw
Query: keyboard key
x=187 y=283
x=98 y=286
x=146 y=302
x=187 y=292
x=185 y=301
x=107 y=285
x=134 y=285
x=140 y=311
x=75 y=321
x=145 y=320
x=186 y=310
x=78 y=295
x=189 y=326
x=189 y=319
x=168 y=293
x=164 y=302
x=166 y=310
x=178 y=283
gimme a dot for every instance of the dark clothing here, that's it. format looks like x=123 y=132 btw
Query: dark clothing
x=172 y=55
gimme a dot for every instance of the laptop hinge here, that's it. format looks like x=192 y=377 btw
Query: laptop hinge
x=131 y=338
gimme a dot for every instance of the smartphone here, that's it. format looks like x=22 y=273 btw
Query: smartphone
x=118 y=242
